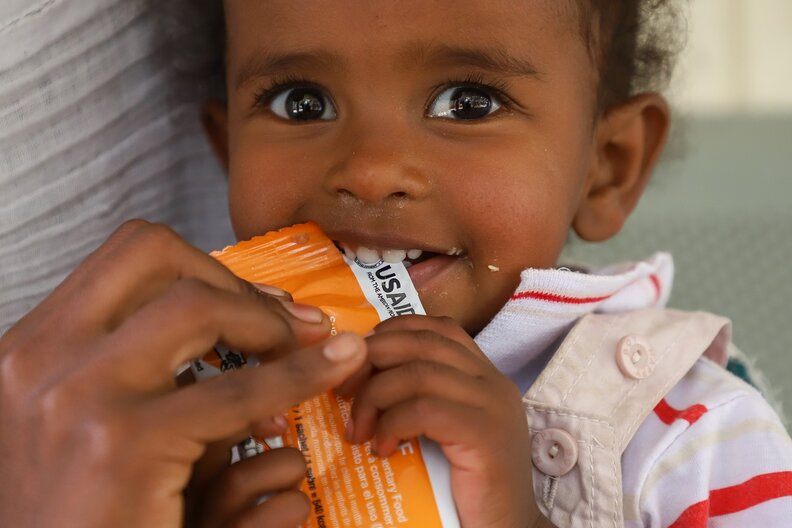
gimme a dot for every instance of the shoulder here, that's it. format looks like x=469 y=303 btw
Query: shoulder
x=712 y=447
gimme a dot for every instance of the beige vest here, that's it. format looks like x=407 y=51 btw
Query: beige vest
x=607 y=376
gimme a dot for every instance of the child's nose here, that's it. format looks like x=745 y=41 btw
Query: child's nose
x=376 y=171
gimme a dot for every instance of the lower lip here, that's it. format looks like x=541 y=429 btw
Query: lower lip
x=424 y=272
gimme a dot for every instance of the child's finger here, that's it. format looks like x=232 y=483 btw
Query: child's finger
x=446 y=422
x=395 y=347
x=412 y=380
x=213 y=409
x=352 y=384
x=287 y=509
x=187 y=322
x=239 y=486
x=444 y=326
x=487 y=452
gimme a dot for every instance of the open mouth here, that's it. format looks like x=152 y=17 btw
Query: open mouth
x=409 y=257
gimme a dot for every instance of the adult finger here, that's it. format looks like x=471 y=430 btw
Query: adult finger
x=213 y=409
x=273 y=291
x=134 y=265
x=240 y=486
x=137 y=262
x=354 y=382
x=189 y=320
x=286 y=509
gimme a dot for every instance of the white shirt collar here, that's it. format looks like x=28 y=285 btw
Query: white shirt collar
x=522 y=336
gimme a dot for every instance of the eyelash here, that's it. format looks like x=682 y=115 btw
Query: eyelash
x=494 y=87
x=264 y=97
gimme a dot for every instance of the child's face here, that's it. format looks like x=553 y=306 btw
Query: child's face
x=444 y=125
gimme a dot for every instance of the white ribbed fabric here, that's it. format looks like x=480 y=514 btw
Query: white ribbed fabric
x=549 y=301
x=95 y=128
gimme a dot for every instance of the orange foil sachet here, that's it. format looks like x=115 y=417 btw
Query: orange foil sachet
x=347 y=485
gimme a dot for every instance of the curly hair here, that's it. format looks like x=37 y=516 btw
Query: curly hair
x=634 y=43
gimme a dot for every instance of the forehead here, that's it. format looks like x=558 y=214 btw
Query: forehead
x=375 y=30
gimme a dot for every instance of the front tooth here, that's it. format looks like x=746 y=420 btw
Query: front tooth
x=368 y=256
x=394 y=256
x=414 y=254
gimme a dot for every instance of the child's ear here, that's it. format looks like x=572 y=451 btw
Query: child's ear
x=628 y=140
x=214 y=119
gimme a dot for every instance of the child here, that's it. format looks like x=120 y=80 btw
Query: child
x=478 y=133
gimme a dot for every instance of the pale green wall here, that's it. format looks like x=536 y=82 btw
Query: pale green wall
x=724 y=210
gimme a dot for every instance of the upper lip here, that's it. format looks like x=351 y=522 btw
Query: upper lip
x=382 y=241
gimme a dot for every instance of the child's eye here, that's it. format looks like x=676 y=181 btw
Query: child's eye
x=302 y=104
x=464 y=102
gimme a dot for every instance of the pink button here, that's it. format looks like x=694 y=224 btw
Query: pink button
x=554 y=452
x=635 y=357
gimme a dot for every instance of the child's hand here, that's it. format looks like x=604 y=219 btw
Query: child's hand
x=231 y=499
x=431 y=379
x=93 y=430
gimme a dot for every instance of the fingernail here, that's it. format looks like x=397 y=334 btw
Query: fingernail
x=304 y=312
x=281 y=422
x=270 y=290
x=349 y=432
x=342 y=347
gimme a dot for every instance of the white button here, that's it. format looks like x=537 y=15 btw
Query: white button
x=554 y=452
x=635 y=357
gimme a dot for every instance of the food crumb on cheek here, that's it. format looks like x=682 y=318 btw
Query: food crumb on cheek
x=493 y=269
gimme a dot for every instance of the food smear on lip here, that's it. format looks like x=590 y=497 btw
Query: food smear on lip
x=347 y=485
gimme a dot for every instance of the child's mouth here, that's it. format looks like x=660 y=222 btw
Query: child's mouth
x=368 y=255
x=422 y=265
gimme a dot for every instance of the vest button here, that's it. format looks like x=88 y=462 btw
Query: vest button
x=554 y=452
x=635 y=357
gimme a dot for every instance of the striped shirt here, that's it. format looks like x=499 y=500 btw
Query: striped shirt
x=712 y=454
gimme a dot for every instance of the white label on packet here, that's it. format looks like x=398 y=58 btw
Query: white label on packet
x=226 y=360
x=387 y=287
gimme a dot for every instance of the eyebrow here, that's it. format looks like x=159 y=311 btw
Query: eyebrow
x=494 y=59
x=264 y=64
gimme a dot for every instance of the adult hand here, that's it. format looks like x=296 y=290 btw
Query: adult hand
x=233 y=498
x=94 y=431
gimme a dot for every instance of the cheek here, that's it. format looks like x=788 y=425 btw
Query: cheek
x=517 y=205
x=267 y=186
